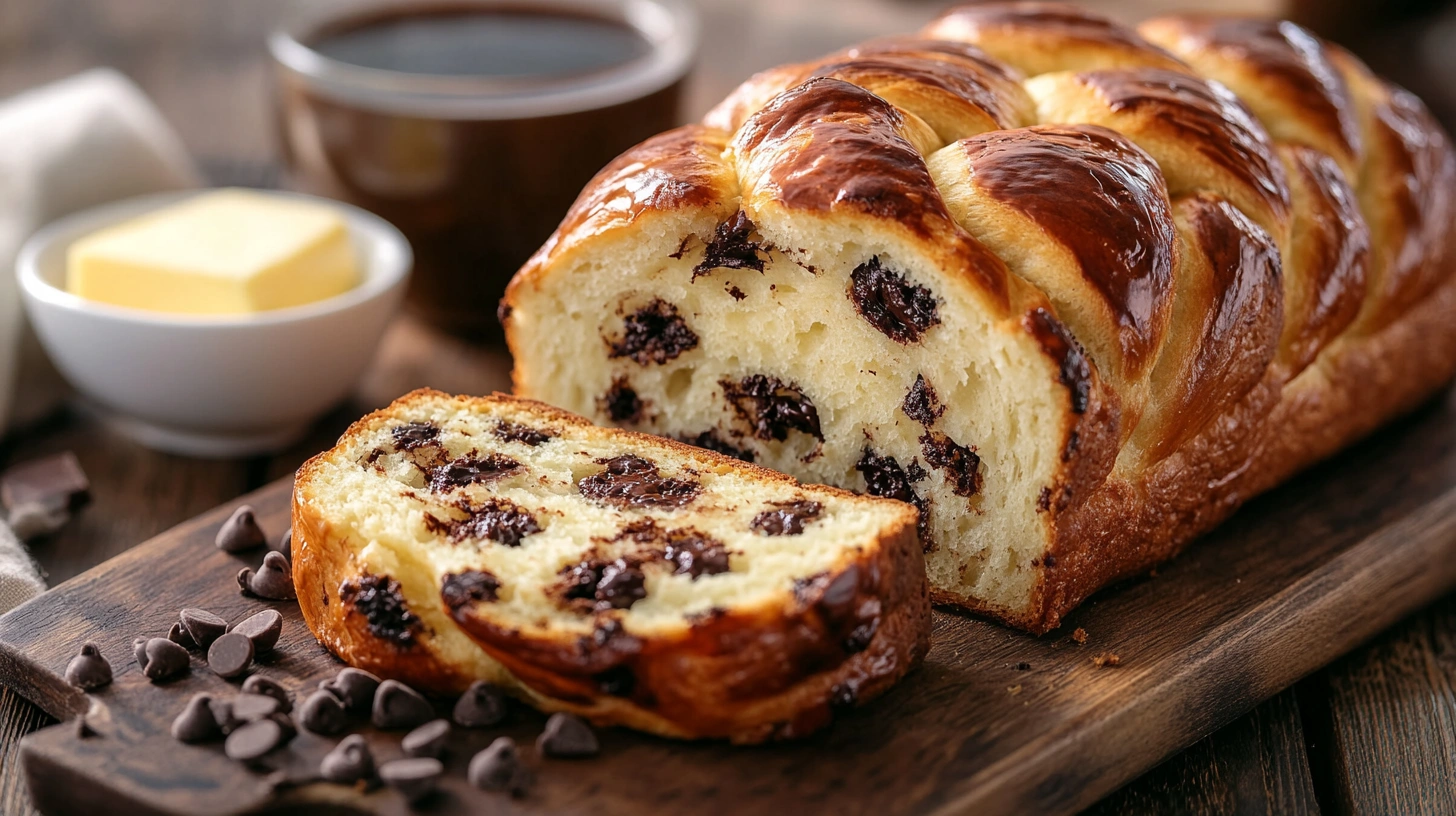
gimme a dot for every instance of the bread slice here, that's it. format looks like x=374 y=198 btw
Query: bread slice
x=624 y=577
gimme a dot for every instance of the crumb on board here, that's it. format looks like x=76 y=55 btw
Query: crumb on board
x=1106 y=659
x=1080 y=636
x=1014 y=690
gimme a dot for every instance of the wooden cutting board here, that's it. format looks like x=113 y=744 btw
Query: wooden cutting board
x=994 y=722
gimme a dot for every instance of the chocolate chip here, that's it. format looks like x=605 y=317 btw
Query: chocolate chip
x=249 y=707
x=413 y=778
x=139 y=651
x=731 y=248
x=179 y=636
x=900 y=310
x=258 y=684
x=482 y=705
x=885 y=478
x=240 y=532
x=399 y=706
x=253 y=740
x=567 y=736
x=525 y=434
x=263 y=628
x=921 y=404
x=380 y=599
x=196 y=723
x=285 y=545
x=230 y=655
x=349 y=762
x=695 y=554
x=771 y=407
x=709 y=440
x=222 y=714
x=786 y=518
x=621 y=403
x=631 y=481
x=655 y=333
x=499 y=768
x=164 y=659
x=462 y=589
x=428 y=740
x=88 y=670
x=412 y=435
x=604 y=584
x=355 y=687
x=470 y=470
x=203 y=626
x=499 y=520
x=273 y=580
x=323 y=713
x=961 y=465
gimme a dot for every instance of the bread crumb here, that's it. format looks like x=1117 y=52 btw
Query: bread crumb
x=1080 y=636
x=1106 y=659
x=1014 y=690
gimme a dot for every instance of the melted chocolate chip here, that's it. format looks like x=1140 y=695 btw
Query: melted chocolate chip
x=621 y=403
x=460 y=589
x=901 y=310
x=709 y=440
x=412 y=435
x=378 y=598
x=786 y=518
x=602 y=585
x=921 y=404
x=961 y=465
x=631 y=481
x=1059 y=343
x=499 y=520
x=885 y=478
x=695 y=554
x=731 y=248
x=771 y=407
x=654 y=333
x=515 y=432
x=469 y=470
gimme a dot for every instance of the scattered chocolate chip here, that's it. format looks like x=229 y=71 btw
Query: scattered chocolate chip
x=427 y=740
x=240 y=532
x=631 y=481
x=482 y=705
x=260 y=685
x=621 y=403
x=884 y=478
x=961 y=465
x=323 y=713
x=230 y=655
x=285 y=545
x=412 y=435
x=139 y=651
x=786 y=518
x=202 y=626
x=710 y=440
x=252 y=741
x=900 y=310
x=196 y=723
x=771 y=407
x=273 y=580
x=355 y=687
x=51 y=483
x=179 y=636
x=695 y=554
x=604 y=584
x=88 y=670
x=654 y=333
x=380 y=600
x=514 y=432
x=731 y=248
x=222 y=714
x=413 y=778
x=164 y=659
x=399 y=706
x=461 y=589
x=248 y=707
x=470 y=470
x=499 y=768
x=499 y=520
x=567 y=736
x=263 y=628
x=349 y=762
x=921 y=404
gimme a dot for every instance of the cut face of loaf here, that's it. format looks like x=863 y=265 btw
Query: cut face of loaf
x=1053 y=284
x=630 y=579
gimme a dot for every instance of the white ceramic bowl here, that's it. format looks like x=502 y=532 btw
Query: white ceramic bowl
x=212 y=385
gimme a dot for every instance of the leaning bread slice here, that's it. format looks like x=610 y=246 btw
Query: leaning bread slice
x=628 y=578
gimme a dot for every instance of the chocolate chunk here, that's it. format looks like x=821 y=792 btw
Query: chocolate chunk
x=470 y=470
x=249 y=707
x=921 y=403
x=654 y=333
x=399 y=706
x=731 y=248
x=525 y=434
x=51 y=483
x=285 y=545
x=695 y=554
x=273 y=580
x=323 y=713
x=604 y=584
x=164 y=659
x=499 y=520
x=482 y=705
x=786 y=518
x=428 y=740
x=631 y=481
x=355 y=687
x=709 y=440
x=222 y=713
x=621 y=403
x=901 y=310
x=254 y=740
x=379 y=599
x=961 y=465
x=499 y=768
x=240 y=532
x=260 y=685
x=771 y=407
x=179 y=636
x=88 y=670
x=461 y=589
x=413 y=778
x=412 y=435
x=567 y=736
x=230 y=655
x=884 y=478
x=196 y=723
x=349 y=762
x=263 y=628
x=202 y=626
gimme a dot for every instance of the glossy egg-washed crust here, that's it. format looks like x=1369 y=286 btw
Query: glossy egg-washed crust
x=1259 y=234
x=775 y=671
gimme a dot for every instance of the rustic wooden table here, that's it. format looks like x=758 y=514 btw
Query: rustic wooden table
x=1374 y=733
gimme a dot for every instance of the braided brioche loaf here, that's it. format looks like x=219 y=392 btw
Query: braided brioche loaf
x=1074 y=290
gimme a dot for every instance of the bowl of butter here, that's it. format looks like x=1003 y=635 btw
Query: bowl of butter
x=215 y=323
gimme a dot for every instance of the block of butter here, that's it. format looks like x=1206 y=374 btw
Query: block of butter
x=230 y=251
